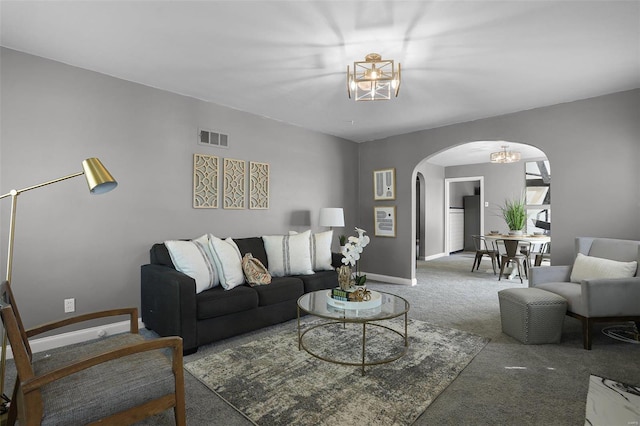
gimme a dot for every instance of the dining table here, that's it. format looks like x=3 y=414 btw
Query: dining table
x=530 y=238
x=537 y=241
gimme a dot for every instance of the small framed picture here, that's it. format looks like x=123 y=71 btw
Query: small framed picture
x=384 y=219
x=384 y=184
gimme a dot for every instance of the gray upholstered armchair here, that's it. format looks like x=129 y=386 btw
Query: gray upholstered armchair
x=599 y=299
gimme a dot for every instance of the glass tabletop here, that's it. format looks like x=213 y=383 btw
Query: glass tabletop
x=315 y=303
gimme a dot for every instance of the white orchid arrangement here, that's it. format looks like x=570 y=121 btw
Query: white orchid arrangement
x=351 y=253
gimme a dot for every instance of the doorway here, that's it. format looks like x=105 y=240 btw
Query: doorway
x=461 y=219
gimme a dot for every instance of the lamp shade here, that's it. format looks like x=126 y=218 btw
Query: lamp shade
x=98 y=177
x=331 y=216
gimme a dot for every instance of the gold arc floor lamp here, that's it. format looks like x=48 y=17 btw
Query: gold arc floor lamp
x=99 y=180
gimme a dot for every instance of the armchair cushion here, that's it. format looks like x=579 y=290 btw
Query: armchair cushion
x=83 y=395
x=591 y=267
x=572 y=292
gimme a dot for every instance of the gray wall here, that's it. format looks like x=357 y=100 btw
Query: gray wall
x=501 y=181
x=432 y=238
x=72 y=244
x=593 y=147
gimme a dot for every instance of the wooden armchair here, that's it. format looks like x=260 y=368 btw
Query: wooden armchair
x=117 y=380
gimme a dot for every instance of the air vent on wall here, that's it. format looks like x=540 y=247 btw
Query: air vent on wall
x=208 y=137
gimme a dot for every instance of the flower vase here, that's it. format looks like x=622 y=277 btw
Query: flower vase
x=345 y=279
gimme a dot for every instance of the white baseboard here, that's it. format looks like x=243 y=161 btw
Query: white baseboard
x=435 y=256
x=46 y=343
x=392 y=280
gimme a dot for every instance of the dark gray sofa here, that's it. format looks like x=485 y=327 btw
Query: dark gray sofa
x=171 y=307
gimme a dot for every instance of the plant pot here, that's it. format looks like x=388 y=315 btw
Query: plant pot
x=518 y=233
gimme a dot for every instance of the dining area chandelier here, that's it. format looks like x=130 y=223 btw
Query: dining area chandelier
x=504 y=156
x=373 y=79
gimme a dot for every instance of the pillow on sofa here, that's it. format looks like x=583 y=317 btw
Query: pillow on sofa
x=320 y=250
x=288 y=254
x=228 y=262
x=193 y=258
x=590 y=267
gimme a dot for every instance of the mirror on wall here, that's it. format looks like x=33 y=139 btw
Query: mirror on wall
x=538 y=196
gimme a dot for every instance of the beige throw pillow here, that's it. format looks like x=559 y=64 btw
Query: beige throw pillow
x=589 y=267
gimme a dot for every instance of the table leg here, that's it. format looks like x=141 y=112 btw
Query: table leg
x=299 y=339
x=364 y=343
x=406 y=333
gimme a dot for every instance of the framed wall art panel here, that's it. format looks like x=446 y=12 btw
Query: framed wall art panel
x=234 y=183
x=384 y=184
x=205 y=181
x=258 y=185
x=384 y=219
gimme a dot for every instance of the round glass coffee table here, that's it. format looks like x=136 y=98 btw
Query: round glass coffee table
x=391 y=306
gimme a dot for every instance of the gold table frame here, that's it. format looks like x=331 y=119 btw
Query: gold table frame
x=354 y=316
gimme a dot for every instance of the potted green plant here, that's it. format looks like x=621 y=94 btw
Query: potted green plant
x=515 y=214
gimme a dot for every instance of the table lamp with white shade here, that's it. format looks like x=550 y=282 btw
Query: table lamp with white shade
x=331 y=216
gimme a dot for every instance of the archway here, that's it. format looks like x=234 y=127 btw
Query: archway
x=470 y=162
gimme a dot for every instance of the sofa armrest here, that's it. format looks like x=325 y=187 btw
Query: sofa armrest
x=168 y=303
x=549 y=274
x=611 y=297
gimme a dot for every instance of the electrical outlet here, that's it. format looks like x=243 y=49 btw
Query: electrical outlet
x=69 y=305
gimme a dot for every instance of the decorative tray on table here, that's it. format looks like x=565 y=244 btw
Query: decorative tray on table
x=373 y=302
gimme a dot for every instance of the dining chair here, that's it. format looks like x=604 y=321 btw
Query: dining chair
x=117 y=380
x=513 y=254
x=482 y=248
x=544 y=253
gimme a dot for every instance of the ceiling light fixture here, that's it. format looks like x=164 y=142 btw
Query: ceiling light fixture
x=505 y=156
x=373 y=79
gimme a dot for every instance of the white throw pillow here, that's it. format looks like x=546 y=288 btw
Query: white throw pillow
x=193 y=258
x=589 y=267
x=320 y=249
x=288 y=254
x=228 y=260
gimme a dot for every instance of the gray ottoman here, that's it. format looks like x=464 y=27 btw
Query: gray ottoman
x=531 y=315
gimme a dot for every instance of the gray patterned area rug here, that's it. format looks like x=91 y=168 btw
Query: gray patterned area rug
x=271 y=382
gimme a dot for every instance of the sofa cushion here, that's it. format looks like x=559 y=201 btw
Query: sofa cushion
x=288 y=254
x=228 y=262
x=281 y=289
x=194 y=258
x=217 y=302
x=253 y=245
x=320 y=250
x=591 y=267
x=319 y=281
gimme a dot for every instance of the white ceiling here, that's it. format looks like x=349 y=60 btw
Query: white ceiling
x=461 y=60
x=480 y=152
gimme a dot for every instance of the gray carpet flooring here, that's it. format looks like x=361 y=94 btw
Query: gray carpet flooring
x=507 y=383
